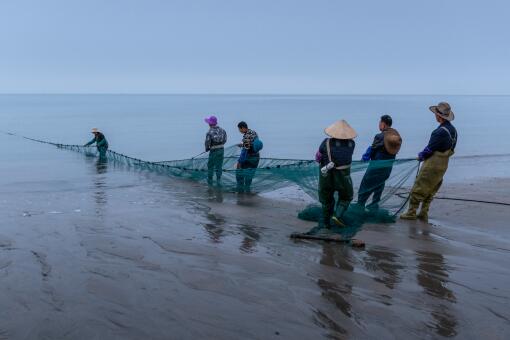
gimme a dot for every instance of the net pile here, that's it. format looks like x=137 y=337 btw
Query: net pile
x=275 y=173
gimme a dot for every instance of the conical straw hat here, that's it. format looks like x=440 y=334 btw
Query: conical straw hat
x=340 y=130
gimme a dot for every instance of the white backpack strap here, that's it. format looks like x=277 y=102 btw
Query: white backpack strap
x=328 y=148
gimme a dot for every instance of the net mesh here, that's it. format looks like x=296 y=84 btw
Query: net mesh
x=274 y=173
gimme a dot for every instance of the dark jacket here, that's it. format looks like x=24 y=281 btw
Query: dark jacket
x=377 y=151
x=100 y=141
x=341 y=151
x=442 y=139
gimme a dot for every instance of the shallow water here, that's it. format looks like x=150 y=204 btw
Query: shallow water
x=164 y=127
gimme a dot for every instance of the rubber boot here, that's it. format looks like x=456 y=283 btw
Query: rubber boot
x=410 y=214
x=424 y=212
x=325 y=221
x=337 y=217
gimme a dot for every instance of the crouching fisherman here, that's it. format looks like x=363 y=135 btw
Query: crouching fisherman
x=215 y=140
x=381 y=155
x=249 y=159
x=435 y=159
x=335 y=158
x=101 y=143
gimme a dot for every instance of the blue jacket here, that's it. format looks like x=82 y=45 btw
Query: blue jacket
x=377 y=151
x=442 y=139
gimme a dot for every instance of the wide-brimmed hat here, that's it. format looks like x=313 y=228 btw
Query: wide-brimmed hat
x=392 y=141
x=95 y=130
x=340 y=130
x=443 y=110
x=211 y=120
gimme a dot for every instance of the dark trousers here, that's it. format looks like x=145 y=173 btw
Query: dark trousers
x=215 y=164
x=245 y=174
x=102 y=152
x=373 y=181
x=336 y=181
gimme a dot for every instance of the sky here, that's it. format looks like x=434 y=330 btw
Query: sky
x=257 y=46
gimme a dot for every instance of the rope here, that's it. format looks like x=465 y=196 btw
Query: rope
x=402 y=195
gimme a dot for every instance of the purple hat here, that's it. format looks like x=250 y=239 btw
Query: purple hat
x=212 y=120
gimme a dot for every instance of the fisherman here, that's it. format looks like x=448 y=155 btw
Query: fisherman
x=335 y=158
x=381 y=155
x=101 y=143
x=435 y=159
x=215 y=140
x=249 y=158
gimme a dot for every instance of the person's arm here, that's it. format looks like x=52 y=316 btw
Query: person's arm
x=377 y=144
x=322 y=150
x=243 y=156
x=91 y=142
x=433 y=145
x=367 y=155
x=318 y=156
x=207 y=142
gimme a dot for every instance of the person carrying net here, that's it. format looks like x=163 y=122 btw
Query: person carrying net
x=101 y=143
x=215 y=140
x=381 y=155
x=435 y=158
x=249 y=158
x=335 y=158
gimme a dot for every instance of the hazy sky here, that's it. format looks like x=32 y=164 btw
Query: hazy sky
x=257 y=46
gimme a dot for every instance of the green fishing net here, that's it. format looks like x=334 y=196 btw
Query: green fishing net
x=277 y=173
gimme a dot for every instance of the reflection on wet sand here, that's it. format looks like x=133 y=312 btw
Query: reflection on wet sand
x=382 y=259
x=250 y=238
x=100 y=196
x=215 y=194
x=334 y=255
x=433 y=277
x=217 y=229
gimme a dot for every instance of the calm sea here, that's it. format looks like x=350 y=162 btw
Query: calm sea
x=165 y=127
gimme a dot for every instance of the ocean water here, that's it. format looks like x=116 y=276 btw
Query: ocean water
x=163 y=127
x=166 y=127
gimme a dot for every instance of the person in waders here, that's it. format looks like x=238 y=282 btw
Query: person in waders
x=335 y=158
x=249 y=159
x=101 y=143
x=215 y=140
x=435 y=159
x=381 y=155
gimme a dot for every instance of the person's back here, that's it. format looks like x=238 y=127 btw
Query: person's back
x=335 y=158
x=381 y=154
x=341 y=151
x=215 y=140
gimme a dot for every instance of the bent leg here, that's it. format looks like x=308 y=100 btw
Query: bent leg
x=326 y=198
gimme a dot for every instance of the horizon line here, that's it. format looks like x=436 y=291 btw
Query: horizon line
x=244 y=94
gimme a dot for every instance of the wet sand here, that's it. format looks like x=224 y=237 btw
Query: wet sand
x=132 y=255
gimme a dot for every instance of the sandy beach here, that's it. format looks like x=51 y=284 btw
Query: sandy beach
x=132 y=255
